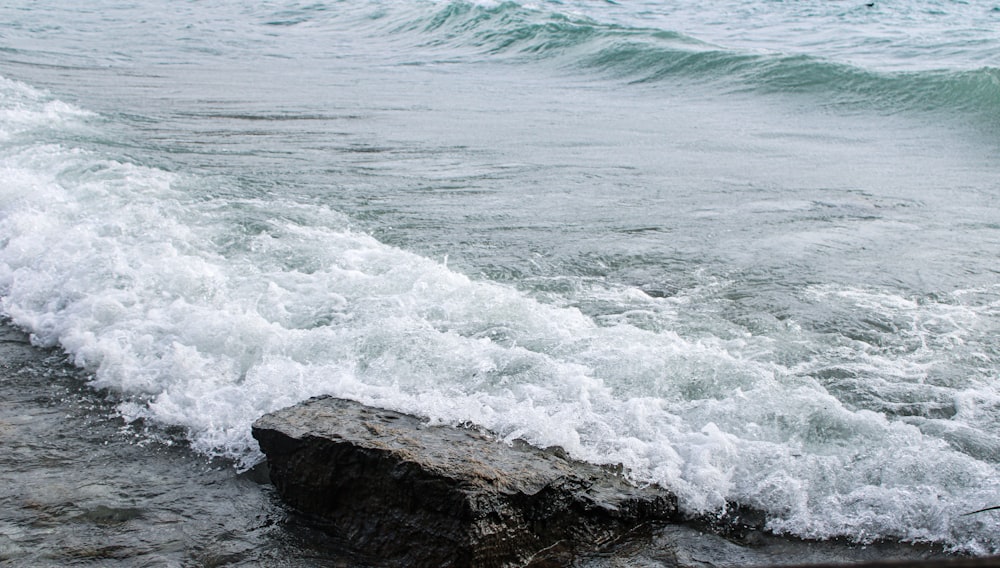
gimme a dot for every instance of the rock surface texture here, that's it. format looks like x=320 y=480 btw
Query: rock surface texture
x=402 y=491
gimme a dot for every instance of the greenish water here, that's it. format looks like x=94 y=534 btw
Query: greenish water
x=747 y=249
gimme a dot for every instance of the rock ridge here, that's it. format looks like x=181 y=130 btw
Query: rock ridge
x=402 y=491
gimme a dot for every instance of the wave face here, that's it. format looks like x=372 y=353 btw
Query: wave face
x=643 y=54
x=756 y=276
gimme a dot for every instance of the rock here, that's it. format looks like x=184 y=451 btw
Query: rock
x=407 y=493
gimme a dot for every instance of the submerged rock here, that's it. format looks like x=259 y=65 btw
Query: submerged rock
x=408 y=493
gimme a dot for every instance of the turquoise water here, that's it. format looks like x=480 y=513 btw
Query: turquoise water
x=746 y=249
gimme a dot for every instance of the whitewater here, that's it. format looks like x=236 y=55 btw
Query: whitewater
x=746 y=249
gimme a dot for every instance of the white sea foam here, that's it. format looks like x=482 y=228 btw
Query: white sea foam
x=204 y=313
x=24 y=109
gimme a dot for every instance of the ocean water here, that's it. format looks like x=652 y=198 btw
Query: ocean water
x=746 y=248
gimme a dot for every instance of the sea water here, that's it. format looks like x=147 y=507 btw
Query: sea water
x=747 y=249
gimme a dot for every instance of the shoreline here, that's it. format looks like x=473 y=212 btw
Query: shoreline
x=86 y=488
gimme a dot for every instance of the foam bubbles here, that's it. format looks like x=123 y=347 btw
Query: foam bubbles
x=203 y=313
x=24 y=109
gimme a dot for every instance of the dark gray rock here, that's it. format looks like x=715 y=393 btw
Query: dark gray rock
x=406 y=493
x=399 y=492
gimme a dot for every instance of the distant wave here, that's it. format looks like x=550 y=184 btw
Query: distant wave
x=649 y=55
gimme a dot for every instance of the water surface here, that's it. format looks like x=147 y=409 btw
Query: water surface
x=748 y=249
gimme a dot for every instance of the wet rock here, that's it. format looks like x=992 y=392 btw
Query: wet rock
x=104 y=515
x=404 y=492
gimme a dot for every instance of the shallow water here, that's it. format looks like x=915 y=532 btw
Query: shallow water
x=85 y=489
x=732 y=248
